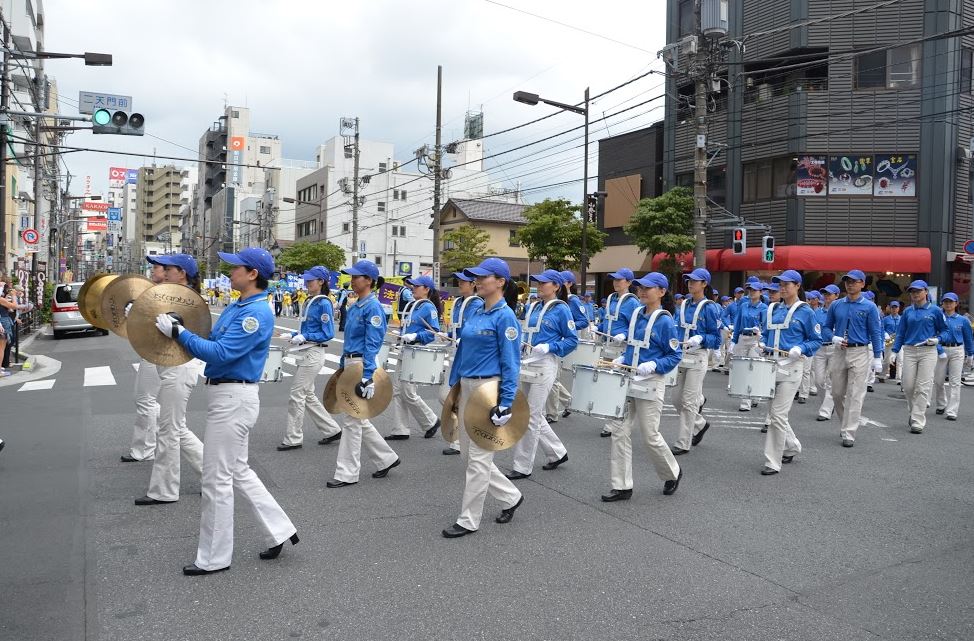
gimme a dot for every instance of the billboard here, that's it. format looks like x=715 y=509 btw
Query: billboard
x=850 y=175
x=810 y=176
x=96 y=224
x=238 y=144
x=120 y=176
x=90 y=205
x=896 y=175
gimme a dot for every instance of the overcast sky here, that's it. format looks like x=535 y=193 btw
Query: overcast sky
x=299 y=65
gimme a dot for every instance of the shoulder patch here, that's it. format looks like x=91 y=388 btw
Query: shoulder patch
x=571 y=325
x=375 y=321
x=325 y=318
x=818 y=328
x=510 y=333
x=250 y=324
x=674 y=343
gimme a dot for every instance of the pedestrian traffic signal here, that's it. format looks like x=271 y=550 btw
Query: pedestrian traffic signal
x=120 y=123
x=740 y=240
x=767 y=249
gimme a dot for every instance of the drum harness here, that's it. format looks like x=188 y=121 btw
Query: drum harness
x=304 y=316
x=783 y=325
x=526 y=327
x=647 y=335
x=609 y=316
x=693 y=323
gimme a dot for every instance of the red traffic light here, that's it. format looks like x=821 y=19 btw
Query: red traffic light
x=738 y=234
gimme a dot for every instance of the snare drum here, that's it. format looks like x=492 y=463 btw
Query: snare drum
x=421 y=364
x=531 y=372
x=273 y=372
x=790 y=373
x=587 y=353
x=382 y=358
x=752 y=377
x=600 y=392
x=646 y=389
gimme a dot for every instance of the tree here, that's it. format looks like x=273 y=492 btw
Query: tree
x=468 y=247
x=553 y=234
x=664 y=225
x=303 y=256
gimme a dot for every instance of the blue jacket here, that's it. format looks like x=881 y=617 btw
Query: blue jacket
x=578 y=311
x=958 y=331
x=802 y=331
x=239 y=341
x=917 y=324
x=490 y=345
x=664 y=344
x=624 y=311
x=599 y=313
x=858 y=321
x=590 y=314
x=365 y=329
x=728 y=314
x=319 y=324
x=708 y=325
x=476 y=303
x=749 y=316
x=423 y=310
x=821 y=314
x=557 y=329
x=891 y=324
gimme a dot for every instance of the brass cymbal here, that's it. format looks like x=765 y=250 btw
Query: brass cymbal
x=476 y=418
x=89 y=299
x=330 y=400
x=356 y=407
x=449 y=423
x=147 y=340
x=119 y=293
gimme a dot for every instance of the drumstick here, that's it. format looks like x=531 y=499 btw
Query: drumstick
x=606 y=363
x=436 y=333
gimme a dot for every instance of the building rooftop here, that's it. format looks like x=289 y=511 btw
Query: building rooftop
x=496 y=211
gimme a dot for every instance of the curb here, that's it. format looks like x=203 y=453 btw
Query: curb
x=39 y=366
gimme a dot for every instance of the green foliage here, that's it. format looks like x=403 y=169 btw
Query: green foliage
x=664 y=225
x=554 y=234
x=44 y=309
x=469 y=247
x=303 y=256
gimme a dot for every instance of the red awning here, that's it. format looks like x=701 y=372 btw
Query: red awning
x=686 y=260
x=827 y=258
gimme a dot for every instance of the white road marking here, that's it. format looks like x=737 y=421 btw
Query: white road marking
x=868 y=421
x=36 y=385
x=290 y=360
x=135 y=366
x=891 y=440
x=326 y=371
x=98 y=376
x=333 y=358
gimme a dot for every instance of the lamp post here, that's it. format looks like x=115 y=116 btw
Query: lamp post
x=533 y=99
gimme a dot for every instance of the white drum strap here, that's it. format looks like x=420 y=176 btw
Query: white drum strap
x=608 y=306
x=783 y=325
x=407 y=313
x=696 y=316
x=647 y=335
x=528 y=329
x=463 y=308
x=307 y=306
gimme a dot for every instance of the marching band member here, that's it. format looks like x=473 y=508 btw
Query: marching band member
x=660 y=357
x=589 y=306
x=175 y=386
x=365 y=330
x=921 y=326
x=619 y=308
x=466 y=304
x=855 y=326
x=146 y=397
x=808 y=384
x=317 y=328
x=871 y=372
x=747 y=328
x=552 y=334
x=235 y=354
x=697 y=318
x=560 y=397
x=489 y=349
x=821 y=362
x=891 y=325
x=792 y=328
x=420 y=323
x=958 y=345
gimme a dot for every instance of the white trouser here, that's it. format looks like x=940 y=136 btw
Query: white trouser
x=610 y=352
x=304 y=399
x=146 y=411
x=948 y=394
x=747 y=346
x=781 y=440
x=356 y=433
x=406 y=401
x=482 y=476
x=724 y=358
x=887 y=352
x=558 y=397
x=539 y=431
x=174 y=437
x=232 y=412
x=823 y=379
x=918 y=365
x=849 y=371
x=688 y=395
x=806 y=382
x=643 y=415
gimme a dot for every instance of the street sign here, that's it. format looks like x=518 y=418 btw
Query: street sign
x=405 y=268
x=88 y=101
x=30 y=236
x=436 y=274
x=25 y=223
x=90 y=205
x=114 y=213
x=96 y=224
x=969 y=247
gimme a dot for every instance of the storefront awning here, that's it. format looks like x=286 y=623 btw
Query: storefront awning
x=828 y=258
x=614 y=257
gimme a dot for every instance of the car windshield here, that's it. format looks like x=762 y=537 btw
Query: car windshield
x=66 y=293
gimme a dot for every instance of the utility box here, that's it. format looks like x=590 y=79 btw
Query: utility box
x=713 y=18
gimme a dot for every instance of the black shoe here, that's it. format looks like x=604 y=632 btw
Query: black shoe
x=670 y=486
x=702 y=403
x=381 y=474
x=1 y=444
x=916 y=430
x=813 y=393
x=284 y=447
x=336 y=483
x=397 y=437
x=456 y=531
x=768 y=471
x=605 y=433
x=566 y=413
x=951 y=418
x=802 y=400
x=148 y=500
x=848 y=442
x=449 y=451
x=508 y=514
x=677 y=451
x=754 y=404
x=869 y=388
x=432 y=431
x=554 y=464
x=699 y=435
x=272 y=553
x=125 y=458
x=617 y=495
x=764 y=429
x=822 y=418
x=941 y=411
x=192 y=570
x=330 y=439
x=550 y=418
x=514 y=475
x=787 y=459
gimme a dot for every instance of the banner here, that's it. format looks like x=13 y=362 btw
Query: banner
x=810 y=176
x=117 y=176
x=96 y=224
x=896 y=175
x=90 y=205
x=850 y=175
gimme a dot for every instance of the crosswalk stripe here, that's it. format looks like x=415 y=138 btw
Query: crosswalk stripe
x=98 y=376
x=333 y=358
x=326 y=371
x=36 y=385
x=136 y=366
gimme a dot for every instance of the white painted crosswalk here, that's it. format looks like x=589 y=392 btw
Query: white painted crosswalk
x=98 y=376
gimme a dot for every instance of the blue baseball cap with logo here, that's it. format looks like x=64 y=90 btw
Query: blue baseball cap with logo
x=753 y=279
x=317 y=273
x=184 y=261
x=490 y=267
x=772 y=286
x=363 y=268
x=699 y=274
x=567 y=277
x=422 y=281
x=755 y=285
x=724 y=299
x=855 y=274
x=917 y=284
x=738 y=290
x=832 y=289
x=548 y=276
x=653 y=279
x=869 y=295
x=624 y=274
x=894 y=303
x=950 y=296
x=462 y=276
x=252 y=258
x=788 y=276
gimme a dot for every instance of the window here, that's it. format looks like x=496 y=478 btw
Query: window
x=686 y=17
x=346 y=227
x=264 y=149
x=897 y=68
x=783 y=177
x=349 y=152
x=382 y=206
x=395 y=194
x=966 y=69
x=402 y=194
x=871 y=70
x=234 y=114
x=448 y=244
x=382 y=167
x=378 y=261
x=512 y=238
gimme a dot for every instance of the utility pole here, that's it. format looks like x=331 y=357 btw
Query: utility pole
x=4 y=104
x=355 y=250
x=699 y=65
x=583 y=259
x=437 y=175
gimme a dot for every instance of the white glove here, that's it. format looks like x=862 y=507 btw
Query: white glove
x=762 y=346
x=733 y=347
x=885 y=336
x=365 y=389
x=892 y=357
x=942 y=355
x=168 y=325
x=838 y=341
x=795 y=352
x=619 y=338
x=877 y=365
x=297 y=339
x=128 y=308
x=500 y=415
x=647 y=368
x=694 y=342
x=286 y=336
x=933 y=340
x=541 y=348
x=617 y=361
x=409 y=338
x=443 y=335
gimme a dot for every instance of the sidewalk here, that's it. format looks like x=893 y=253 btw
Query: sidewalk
x=34 y=367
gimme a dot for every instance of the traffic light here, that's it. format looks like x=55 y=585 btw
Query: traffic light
x=740 y=240
x=767 y=249
x=120 y=123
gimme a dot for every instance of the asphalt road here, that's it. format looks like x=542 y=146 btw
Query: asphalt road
x=873 y=542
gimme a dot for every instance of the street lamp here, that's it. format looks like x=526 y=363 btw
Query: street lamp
x=533 y=99
x=91 y=59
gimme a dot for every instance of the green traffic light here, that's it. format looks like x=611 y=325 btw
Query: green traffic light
x=101 y=117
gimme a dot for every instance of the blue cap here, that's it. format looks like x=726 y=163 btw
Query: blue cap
x=184 y=261
x=950 y=296
x=252 y=258
x=788 y=276
x=700 y=274
x=724 y=299
x=652 y=279
x=832 y=289
x=567 y=277
x=869 y=295
x=755 y=285
x=772 y=286
x=765 y=286
x=548 y=276
x=462 y=276
x=490 y=267
x=363 y=268
x=855 y=274
x=917 y=284
x=813 y=295
x=714 y=292
x=422 y=281
x=738 y=290
x=753 y=279
x=317 y=273
x=624 y=273
x=677 y=296
x=894 y=303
